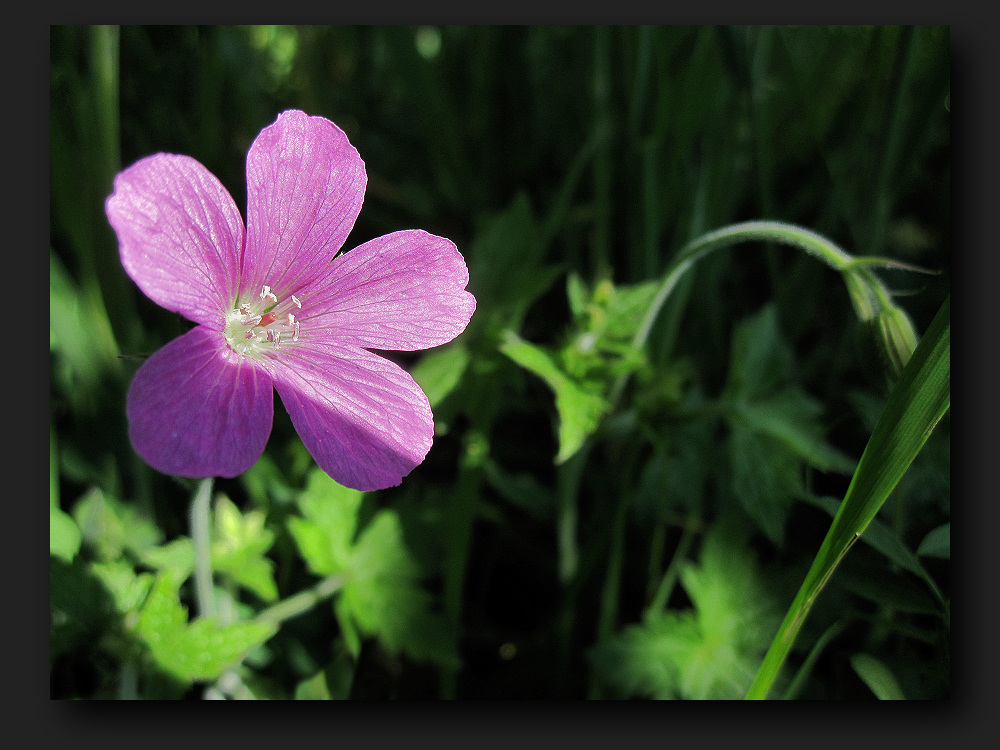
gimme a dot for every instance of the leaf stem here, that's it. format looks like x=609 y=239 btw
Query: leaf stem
x=303 y=601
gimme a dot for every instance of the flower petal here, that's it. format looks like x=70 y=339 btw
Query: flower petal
x=180 y=235
x=197 y=409
x=362 y=417
x=305 y=186
x=404 y=291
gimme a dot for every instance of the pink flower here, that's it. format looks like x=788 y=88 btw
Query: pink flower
x=275 y=309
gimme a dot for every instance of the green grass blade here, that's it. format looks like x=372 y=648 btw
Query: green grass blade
x=920 y=398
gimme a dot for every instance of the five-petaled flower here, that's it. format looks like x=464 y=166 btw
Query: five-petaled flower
x=277 y=309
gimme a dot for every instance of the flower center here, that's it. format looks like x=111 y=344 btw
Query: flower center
x=262 y=324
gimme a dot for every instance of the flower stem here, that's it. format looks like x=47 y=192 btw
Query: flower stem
x=868 y=294
x=200 y=535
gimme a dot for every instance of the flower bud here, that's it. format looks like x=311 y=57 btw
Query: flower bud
x=898 y=338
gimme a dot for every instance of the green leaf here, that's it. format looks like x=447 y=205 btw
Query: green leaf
x=64 y=535
x=877 y=676
x=439 y=371
x=201 y=650
x=765 y=479
x=773 y=426
x=110 y=526
x=80 y=338
x=760 y=360
x=176 y=558
x=384 y=597
x=325 y=533
x=710 y=652
x=313 y=689
x=644 y=660
x=579 y=412
x=937 y=543
x=238 y=549
x=792 y=418
x=626 y=306
x=128 y=589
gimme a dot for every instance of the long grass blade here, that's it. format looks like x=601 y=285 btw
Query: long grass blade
x=919 y=399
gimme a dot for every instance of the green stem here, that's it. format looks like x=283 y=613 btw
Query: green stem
x=868 y=294
x=303 y=601
x=201 y=536
x=672 y=573
x=603 y=162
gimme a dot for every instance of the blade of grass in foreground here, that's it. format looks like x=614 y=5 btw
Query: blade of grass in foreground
x=919 y=399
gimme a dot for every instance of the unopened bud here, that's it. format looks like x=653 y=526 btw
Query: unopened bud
x=899 y=340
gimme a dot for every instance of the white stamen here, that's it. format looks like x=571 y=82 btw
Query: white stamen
x=295 y=336
x=296 y=302
x=291 y=319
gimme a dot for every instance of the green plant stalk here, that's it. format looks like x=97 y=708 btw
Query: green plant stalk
x=601 y=262
x=460 y=515
x=303 y=601
x=798 y=682
x=868 y=294
x=105 y=159
x=671 y=575
x=202 y=539
x=919 y=399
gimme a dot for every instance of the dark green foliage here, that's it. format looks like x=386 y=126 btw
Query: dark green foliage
x=594 y=519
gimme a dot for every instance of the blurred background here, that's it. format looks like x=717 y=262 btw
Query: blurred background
x=569 y=165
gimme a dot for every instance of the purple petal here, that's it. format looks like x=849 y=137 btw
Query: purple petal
x=305 y=186
x=197 y=409
x=180 y=235
x=361 y=417
x=404 y=291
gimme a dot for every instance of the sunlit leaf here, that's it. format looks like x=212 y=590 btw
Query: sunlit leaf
x=438 y=372
x=111 y=526
x=579 y=412
x=128 y=588
x=239 y=547
x=325 y=532
x=708 y=652
x=313 y=689
x=385 y=597
x=64 y=535
x=200 y=650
